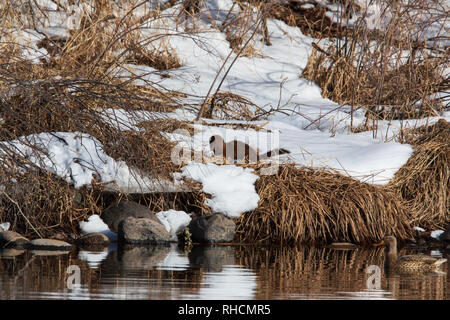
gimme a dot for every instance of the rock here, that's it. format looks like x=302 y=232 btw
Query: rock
x=446 y=235
x=114 y=214
x=421 y=242
x=212 y=229
x=11 y=239
x=48 y=244
x=142 y=231
x=93 y=240
x=63 y=237
x=49 y=252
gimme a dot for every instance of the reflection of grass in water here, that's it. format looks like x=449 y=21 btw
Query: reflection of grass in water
x=312 y=271
x=28 y=273
x=282 y=272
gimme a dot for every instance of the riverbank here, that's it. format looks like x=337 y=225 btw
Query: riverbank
x=121 y=103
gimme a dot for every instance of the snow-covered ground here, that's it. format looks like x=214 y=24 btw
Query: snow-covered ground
x=315 y=130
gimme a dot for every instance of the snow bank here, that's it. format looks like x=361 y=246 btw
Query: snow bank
x=174 y=221
x=78 y=158
x=359 y=156
x=232 y=188
x=95 y=224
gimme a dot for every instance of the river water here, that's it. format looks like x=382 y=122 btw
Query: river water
x=213 y=272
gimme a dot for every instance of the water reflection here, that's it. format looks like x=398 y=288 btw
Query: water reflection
x=213 y=272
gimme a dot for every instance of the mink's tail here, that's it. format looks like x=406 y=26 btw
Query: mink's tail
x=272 y=153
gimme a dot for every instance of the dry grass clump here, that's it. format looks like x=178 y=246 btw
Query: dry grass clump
x=161 y=58
x=392 y=74
x=225 y=105
x=190 y=202
x=311 y=20
x=402 y=92
x=315 y=206
x=40 y=204
x=424 y=181
x=237 y=44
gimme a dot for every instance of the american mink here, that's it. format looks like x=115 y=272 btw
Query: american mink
x=238 y=150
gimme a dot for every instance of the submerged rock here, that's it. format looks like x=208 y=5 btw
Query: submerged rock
x=114 y=214
x=48 y=244
x=212 y=229
x=11 y=239
x=142 y=231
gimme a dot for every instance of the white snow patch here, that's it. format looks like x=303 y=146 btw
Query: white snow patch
x=95 y=224
x=78 y=158
x=436 y=233
x=232 y=188
x=5 y=226
x=174 y=221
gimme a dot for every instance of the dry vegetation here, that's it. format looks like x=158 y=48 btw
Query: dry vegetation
x=305 y=205
x=393 y=75
x=424 y=181
x=68 y=89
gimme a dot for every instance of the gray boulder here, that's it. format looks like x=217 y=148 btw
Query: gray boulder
x=11 y=239
x=114 y=214
x=142 y=231
x=212 y=229
x=446 y=235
